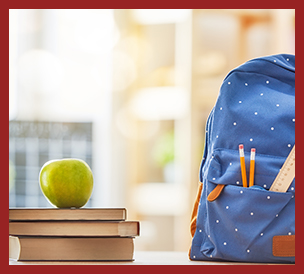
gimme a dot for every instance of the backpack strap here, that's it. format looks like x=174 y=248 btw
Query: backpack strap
x=194 y=212
x=211 y=197
x=195 y=209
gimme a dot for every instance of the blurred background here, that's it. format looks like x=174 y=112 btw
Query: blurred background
x=129 y=92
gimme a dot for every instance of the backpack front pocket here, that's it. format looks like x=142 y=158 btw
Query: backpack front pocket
x=240 y=223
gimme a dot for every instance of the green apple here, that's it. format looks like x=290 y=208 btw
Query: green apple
x=67 y=182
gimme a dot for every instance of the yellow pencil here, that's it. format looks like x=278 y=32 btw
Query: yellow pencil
x=243 y=167
x=252 y=164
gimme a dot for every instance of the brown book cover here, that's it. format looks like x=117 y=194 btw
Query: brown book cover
x=48 y=214
x=75 y=228
x=71 y=249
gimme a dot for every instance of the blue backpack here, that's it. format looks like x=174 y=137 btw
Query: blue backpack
x=256 y=108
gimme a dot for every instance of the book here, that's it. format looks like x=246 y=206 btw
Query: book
x=40 y=214
x=75 y=228
x=71 y=249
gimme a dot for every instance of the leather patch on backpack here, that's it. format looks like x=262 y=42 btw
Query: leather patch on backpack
x=283 y=246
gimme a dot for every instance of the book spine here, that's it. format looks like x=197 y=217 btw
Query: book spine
x=121 y=229
x=74 y=249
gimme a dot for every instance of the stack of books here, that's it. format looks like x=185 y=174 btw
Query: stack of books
x=85 y=234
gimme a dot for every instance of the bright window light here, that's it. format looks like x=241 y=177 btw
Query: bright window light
x=160 y=16
x=161 y=103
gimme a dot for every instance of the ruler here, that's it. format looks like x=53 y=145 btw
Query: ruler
x=287 y=173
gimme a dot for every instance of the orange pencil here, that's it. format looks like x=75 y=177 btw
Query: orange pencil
x=243 y=167
x=252 y=164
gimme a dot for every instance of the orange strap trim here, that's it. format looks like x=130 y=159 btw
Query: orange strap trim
x=215 y=193
x=194 y=213
x=211 y=197
x=195 y=209
x=283 y=246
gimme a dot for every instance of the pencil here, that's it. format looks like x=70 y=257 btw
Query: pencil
x=243 y=167
x=252 y=164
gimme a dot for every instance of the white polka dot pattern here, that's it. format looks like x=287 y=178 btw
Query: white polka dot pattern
x=255 y=107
